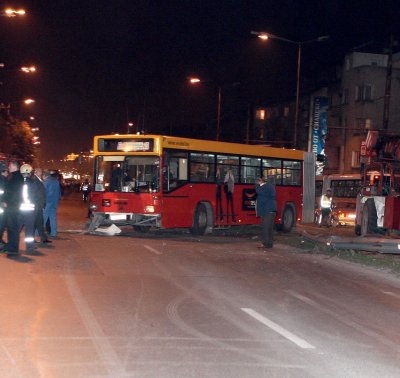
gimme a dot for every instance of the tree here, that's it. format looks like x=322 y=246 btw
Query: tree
x=16 y=139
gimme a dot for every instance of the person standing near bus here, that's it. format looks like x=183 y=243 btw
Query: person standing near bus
x=53 y=196
x=326 y=206
x=11 y=202
x=3 y=181
x=266 y=209
x=40 y=204
x=218 y=195
x=229 y=186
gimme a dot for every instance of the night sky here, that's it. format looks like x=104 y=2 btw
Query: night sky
x=103 y=62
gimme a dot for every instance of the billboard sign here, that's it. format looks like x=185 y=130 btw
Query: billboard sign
x=319 y=131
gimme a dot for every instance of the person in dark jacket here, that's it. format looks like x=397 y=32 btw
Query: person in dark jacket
x=3 y=181
x=266 y=209
x=40 y=203
x=12 y=199
x=53 y=196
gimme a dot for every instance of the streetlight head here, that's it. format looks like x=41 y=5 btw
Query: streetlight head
x=263 y=36
x=28 y=69
x=194 y=80
x=9 y=12
x=323 y=38
x=29 y=101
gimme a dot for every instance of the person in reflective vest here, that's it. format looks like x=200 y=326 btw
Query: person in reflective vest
x=27 y=208
x=326 y=206
x=85 y=190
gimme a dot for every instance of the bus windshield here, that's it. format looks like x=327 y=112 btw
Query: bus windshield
x=139 y=174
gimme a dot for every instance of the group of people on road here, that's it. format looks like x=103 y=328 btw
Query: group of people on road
x=28 y=200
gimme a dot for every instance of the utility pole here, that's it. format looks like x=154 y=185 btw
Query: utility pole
x=386 y=103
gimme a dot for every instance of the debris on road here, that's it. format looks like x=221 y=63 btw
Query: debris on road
x=110 y=230
x=369 y=244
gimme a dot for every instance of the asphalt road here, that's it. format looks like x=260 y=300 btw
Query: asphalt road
x=171 y=305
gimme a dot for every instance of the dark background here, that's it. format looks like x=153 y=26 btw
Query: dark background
x=101 y=63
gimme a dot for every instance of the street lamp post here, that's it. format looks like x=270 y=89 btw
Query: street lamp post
x=219 y=113
x=196 y=80
x=129 y=125
x=7 y=106
x=265 y=36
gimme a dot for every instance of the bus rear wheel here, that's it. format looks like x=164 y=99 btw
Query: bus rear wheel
x=199 y=220
x=288 y=219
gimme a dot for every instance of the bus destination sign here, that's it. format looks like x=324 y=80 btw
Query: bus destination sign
x=126 y=145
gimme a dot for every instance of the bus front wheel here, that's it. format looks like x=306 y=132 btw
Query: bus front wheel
x=199 y=220
x=141 y=229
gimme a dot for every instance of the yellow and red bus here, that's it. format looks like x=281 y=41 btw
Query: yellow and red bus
x=172 y=182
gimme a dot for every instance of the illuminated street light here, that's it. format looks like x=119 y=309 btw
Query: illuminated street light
x=265 y=36
x=28 y=69
x=130 y=124
x=196 y=80
x=7 y=106
x=9 y=12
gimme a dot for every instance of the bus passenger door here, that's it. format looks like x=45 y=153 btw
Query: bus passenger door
x=176 y=192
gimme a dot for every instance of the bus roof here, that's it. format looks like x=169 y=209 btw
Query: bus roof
x=180 y=143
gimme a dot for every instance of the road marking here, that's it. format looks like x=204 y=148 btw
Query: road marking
x=151 y=249
x=277 y=328
x=105 y=351
x=391 y=294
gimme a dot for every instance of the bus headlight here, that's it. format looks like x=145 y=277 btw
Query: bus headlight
x=149 y=209
x=93 y=207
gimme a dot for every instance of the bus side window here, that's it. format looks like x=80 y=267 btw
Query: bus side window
x=175 y=173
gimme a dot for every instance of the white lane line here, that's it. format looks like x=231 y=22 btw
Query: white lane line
x=151 y=249
x=391 y=294
x=14 y=366
x=107 y=355
x=277 y=328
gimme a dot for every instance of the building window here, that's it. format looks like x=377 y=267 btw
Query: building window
x=345 y=96
x=363 y=93
x=348 y=65
x=360 y=123
x=260 y=114
x=357 y=95
x=286 y=111
x=367 y=93
x=355 y=159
